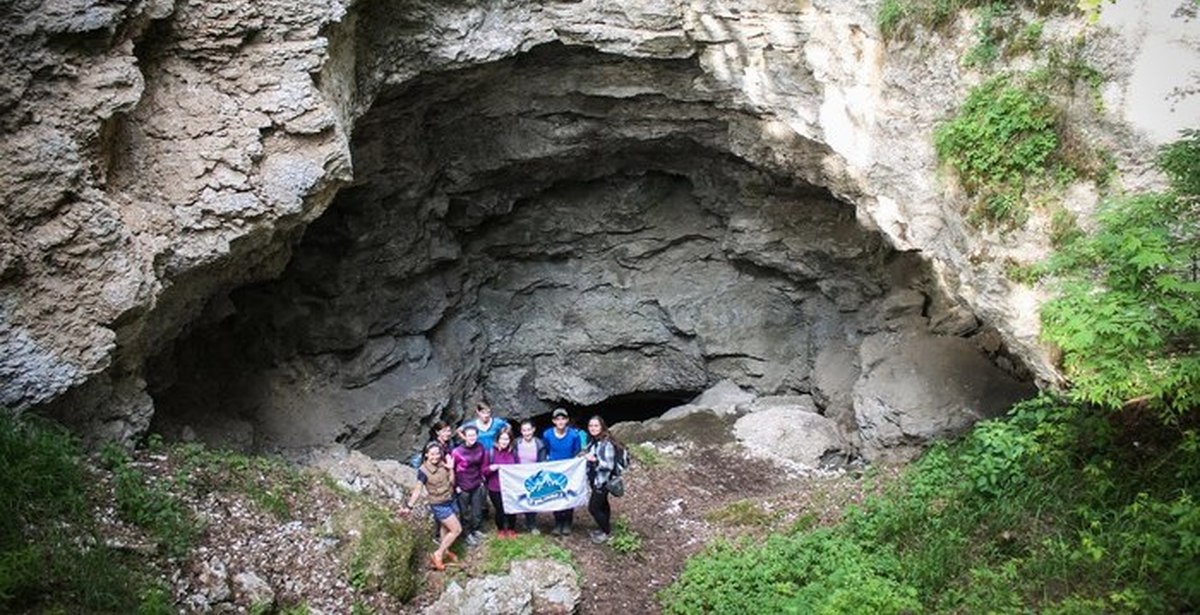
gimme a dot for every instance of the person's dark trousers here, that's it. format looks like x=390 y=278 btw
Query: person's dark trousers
x=530 y=522
x=470 y=506
x=601 y=512
x=563 y=519
x=503 y=521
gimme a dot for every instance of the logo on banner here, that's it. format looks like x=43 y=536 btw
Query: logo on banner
x=546 y=486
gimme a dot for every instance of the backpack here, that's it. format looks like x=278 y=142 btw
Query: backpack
x=621 y=458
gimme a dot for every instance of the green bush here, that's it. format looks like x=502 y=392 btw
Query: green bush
x=1051 y=509
x=1003 y=133
x=51 y=559
x=1127 y=313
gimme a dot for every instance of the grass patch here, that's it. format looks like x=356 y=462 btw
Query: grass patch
x=51 y=558
x=742 y=513
x=150 y=504
x=271 y=483
x=647 y=456
x=500 y=554
x=381 y=552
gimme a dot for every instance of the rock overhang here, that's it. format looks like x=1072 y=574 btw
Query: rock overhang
x=560 y=227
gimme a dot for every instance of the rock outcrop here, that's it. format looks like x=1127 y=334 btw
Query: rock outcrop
x=325 y=221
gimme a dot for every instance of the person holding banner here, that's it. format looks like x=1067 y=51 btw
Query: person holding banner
x=437 y=480
x=501 y=454
x=562 y=442
x=601 y=458
x=530 y=449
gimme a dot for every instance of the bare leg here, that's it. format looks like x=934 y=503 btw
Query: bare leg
x=451 y=528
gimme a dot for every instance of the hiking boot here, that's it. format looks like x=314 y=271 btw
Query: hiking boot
x=600 y=538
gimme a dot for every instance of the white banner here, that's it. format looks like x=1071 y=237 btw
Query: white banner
x=545 y=486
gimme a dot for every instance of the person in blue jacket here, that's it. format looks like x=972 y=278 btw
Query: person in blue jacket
x=562 y=442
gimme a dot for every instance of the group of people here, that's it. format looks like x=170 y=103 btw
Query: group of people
x=457 y=478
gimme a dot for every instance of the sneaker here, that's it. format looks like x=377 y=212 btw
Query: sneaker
x=557 y=531
x=600 y=538
x=479 y=536
x=472 y=540
x=534 y=531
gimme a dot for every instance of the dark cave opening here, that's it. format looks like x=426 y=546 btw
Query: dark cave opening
x=641 y=406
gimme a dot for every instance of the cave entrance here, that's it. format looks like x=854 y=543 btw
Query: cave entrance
x=546 y=230
x=621 y=408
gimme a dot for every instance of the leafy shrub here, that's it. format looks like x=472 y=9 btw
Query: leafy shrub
x=1051 y=509
x=1127 y=314
x=624 y=539
x=1003 y=133
x=815 y=572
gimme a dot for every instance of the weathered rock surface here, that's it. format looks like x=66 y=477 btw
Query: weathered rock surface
x=548 y=202
x=915 y=388
x=531 y=586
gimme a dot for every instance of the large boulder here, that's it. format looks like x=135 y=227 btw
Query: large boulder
x=788 y=427
x=917 y=387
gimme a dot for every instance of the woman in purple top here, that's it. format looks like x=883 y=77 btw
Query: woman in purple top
x=530 y=449
x=469 y=460
x=501 y=454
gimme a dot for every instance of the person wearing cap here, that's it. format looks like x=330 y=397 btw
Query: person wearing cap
x=562 y=442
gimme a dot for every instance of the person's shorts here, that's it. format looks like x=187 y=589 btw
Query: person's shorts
x=445 y=510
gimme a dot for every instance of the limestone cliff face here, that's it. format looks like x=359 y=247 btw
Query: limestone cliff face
x=537 y=202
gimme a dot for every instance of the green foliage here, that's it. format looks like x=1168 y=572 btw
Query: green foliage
x=1127 y=316
x=51 y=559
x=624 y=539
x=1052 y=509
x=1003 y=134
x=382 y=552
x=501 y=553
x=147 y=503
x=814 y=572
x=901 y=19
